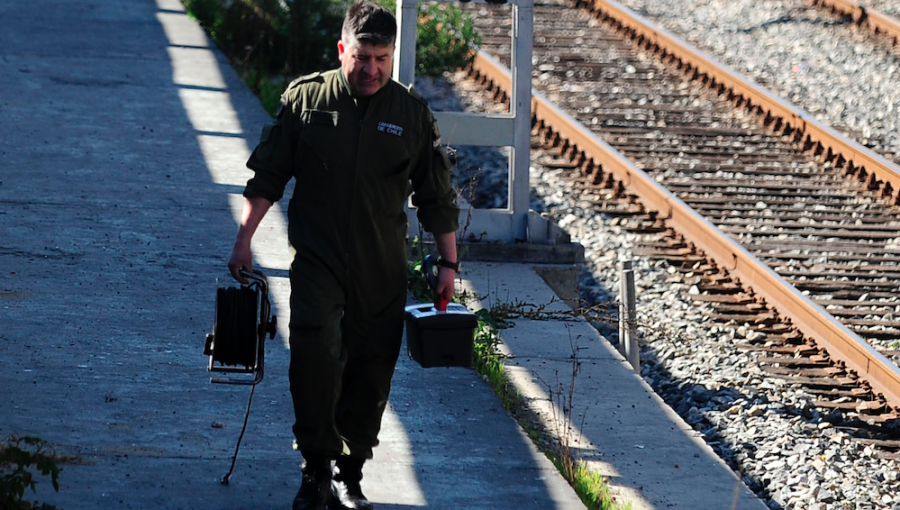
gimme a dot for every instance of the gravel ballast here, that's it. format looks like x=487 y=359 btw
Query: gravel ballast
x=768 y=431
x=830 y=67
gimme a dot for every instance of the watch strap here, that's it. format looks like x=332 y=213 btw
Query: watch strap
x=449 y=265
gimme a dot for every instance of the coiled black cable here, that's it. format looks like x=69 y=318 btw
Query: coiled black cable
x=236 y=326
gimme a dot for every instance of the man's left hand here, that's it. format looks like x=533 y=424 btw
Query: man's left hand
x=446 y=280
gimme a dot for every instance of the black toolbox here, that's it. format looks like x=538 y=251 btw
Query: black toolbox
x=440 y=338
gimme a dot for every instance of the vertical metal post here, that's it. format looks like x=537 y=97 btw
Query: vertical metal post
x=628 y=344
x=512 y=223
x=520 y=108
x=623 y=314
x=405 y=50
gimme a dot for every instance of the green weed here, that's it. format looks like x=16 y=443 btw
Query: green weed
x=594 y=491
x=18 y=457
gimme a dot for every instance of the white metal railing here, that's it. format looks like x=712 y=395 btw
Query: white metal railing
x=513 y=129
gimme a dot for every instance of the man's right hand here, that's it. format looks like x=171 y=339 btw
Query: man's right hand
x=255 y=209
x=241 y=258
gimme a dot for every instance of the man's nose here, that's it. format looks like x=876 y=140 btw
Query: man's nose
x=368 y=68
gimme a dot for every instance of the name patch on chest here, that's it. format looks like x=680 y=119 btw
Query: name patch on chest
x=386 y=127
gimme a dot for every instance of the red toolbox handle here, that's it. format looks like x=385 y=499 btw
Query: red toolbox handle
x=441 y=304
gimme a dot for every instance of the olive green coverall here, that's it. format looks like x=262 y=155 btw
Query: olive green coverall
x=353 y=160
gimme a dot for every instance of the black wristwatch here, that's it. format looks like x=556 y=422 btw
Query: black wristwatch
x=449 y=265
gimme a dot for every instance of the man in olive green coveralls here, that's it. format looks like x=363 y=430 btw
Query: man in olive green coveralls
x=357 y=143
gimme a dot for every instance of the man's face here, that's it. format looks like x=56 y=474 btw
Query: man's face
x=366 y=66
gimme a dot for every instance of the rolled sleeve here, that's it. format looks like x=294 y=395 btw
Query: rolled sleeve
x=272 y=159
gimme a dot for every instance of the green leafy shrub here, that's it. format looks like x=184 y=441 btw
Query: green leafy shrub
x=390 y=5
x=446 y=39
x=17 y=457
x=292 y=37
x=267 y=40
x=209 y=13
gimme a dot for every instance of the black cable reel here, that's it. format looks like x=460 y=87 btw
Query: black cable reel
x=238 y=339
x=237 y=344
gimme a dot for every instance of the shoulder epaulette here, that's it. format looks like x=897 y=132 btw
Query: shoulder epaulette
x=293 y=90
x=306 y=79
x=415 y=94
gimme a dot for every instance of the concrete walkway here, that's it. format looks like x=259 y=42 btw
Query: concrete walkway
x=616 y=424
x=123 y=137
x=122 y=147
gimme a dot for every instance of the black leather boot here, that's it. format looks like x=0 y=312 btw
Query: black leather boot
x=345 y=485
x=315 y=488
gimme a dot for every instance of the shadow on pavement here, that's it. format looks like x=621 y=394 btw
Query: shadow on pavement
x=123 y=147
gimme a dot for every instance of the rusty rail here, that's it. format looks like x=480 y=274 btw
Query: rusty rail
x=590 y=150
x=848 y=155
x=878 y=22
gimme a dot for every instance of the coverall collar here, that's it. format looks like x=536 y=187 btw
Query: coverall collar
x=346 y=86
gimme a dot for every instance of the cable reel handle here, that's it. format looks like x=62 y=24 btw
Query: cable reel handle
x=243 y=320
x=270 y=327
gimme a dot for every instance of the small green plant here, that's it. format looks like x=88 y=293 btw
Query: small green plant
x=489 y=359
x=18 y=456
x=590 y=486
x=594 y=490
x=446 y=39
x=416 y=282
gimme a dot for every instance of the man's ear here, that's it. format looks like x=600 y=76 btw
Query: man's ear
x=340 y=45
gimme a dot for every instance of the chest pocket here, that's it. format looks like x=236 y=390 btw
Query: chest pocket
x=390 y=150
x=320 y=154
x=319 y=133
x=319 y=118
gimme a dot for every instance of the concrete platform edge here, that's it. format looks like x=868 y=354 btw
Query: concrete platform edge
x=524 y=373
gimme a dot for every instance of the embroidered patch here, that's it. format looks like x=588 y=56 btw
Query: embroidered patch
x=386 y=127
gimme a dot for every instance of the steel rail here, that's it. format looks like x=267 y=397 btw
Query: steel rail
x=879 y=173
x=809 y=318
x=862 y=15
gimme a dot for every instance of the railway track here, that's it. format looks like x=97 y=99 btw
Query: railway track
x=818 y=210
x=880 y=16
